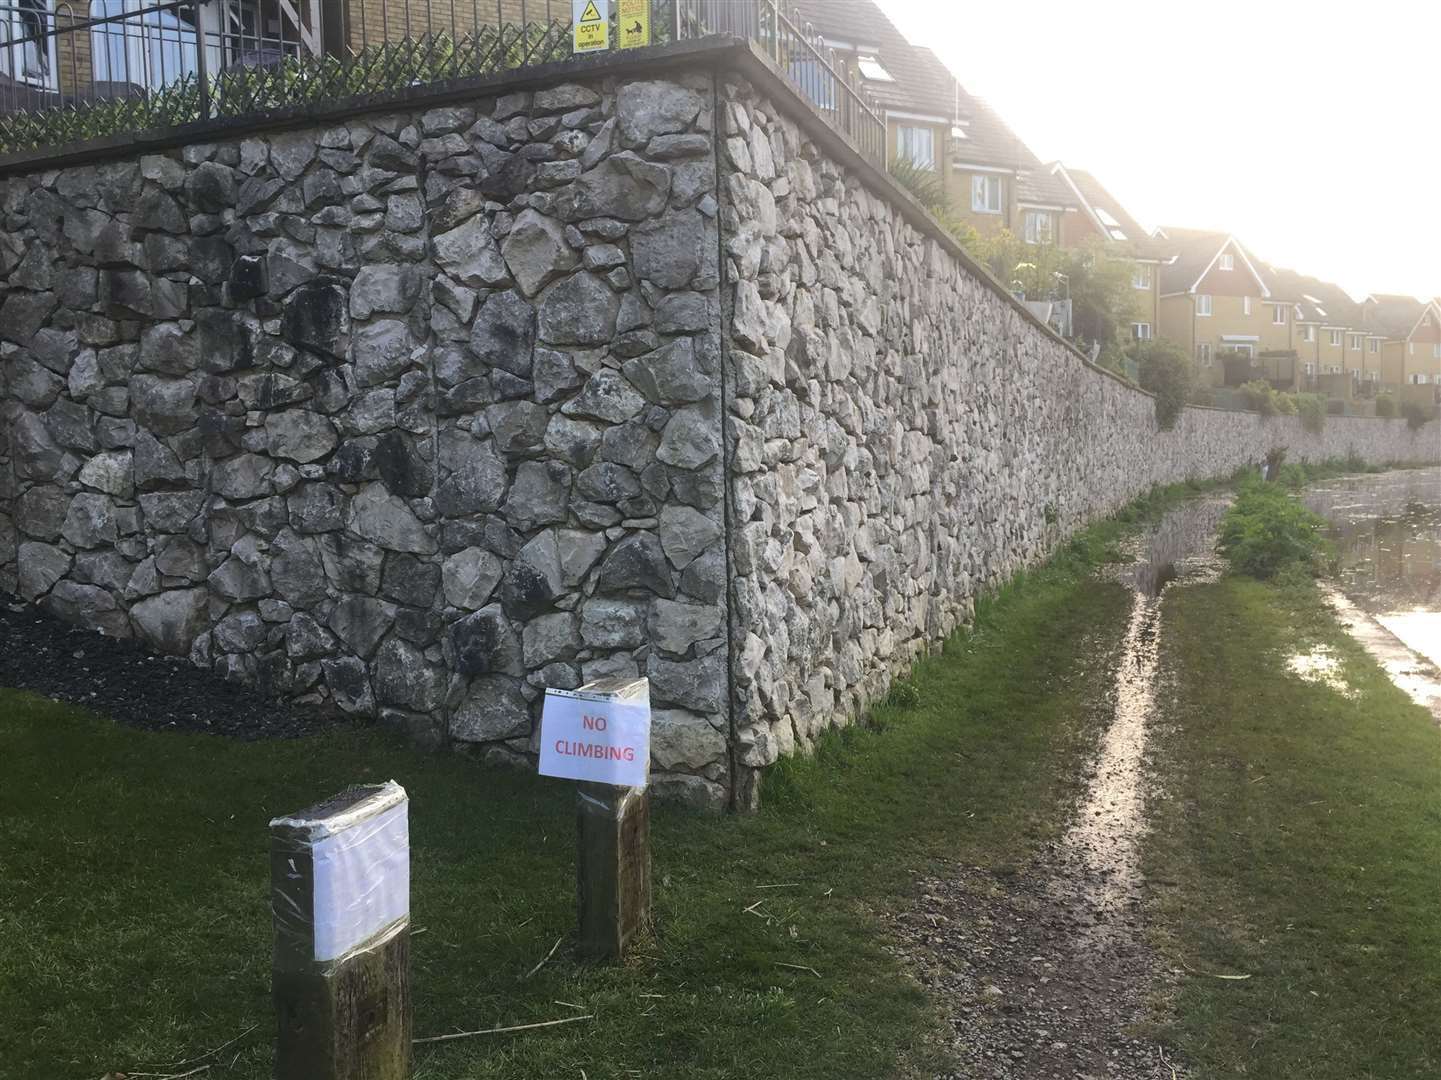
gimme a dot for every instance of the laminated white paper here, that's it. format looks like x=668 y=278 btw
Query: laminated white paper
x=362 y=881
x=597 y=736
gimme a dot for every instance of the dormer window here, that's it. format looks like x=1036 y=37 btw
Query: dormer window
x=1227 y=262
x=873 y=69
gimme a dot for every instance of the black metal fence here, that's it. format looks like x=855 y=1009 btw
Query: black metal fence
x=90 y=68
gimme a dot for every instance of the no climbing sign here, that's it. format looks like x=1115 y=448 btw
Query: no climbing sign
x=590 y=25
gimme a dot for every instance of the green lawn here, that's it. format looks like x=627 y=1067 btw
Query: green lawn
x=133 y=877
x=1300 y=845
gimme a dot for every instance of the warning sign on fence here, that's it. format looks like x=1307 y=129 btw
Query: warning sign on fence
x=590 y=25
x=633 y=23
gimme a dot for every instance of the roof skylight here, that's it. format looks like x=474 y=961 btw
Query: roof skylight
x=872 y=69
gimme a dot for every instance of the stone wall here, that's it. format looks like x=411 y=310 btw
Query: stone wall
x=901 y=437
x=412 y=415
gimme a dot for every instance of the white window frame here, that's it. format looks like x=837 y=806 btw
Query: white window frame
x=1308 y=333
x=1203 y=353
x=1308 y=368
x=1356 y=342
x=1373 y=345
x=1333 y=337
x=1436 y=351
x=1034 y=234
x=1226 y=261
x=983 y=187
x=916 y=143
x=32 y=63
x=1141 y=277
x=1140 y=331
x=1204 y=306
x=1278 y=315
x=1245 y=305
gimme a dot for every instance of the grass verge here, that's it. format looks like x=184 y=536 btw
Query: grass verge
x=133 y=877
x=1300 y=845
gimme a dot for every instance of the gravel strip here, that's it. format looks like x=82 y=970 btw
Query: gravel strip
x=117 y=679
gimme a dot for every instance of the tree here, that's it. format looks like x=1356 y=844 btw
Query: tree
x=1166 y=372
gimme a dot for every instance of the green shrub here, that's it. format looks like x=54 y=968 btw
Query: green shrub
x=1266 y=531
x=1312 y=408
x=904 y=694
x=1385 y=406
x=1285 y=403
x=1164 y=370
x=1259 y=397
x=1416 y=414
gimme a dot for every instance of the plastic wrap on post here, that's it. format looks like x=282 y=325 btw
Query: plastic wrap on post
x=340 y=875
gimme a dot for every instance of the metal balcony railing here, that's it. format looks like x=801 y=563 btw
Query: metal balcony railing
x=85 y=69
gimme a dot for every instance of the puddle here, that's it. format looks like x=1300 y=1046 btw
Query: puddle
x=1105 y=840
x=1323 y=667
x=1387 y=532
x=1414 y=674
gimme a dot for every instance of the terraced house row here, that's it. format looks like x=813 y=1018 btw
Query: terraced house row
x=1239 y=318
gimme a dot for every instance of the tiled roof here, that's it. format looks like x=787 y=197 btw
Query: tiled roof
x=1192 y=251
x=1394 y=316
x=1319 y=301
x=1116 y=221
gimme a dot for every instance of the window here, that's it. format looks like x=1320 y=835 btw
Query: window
x=1309 y=368
x=1039 y=227
x=986 y=194
x=1141 y=331
x=1374 y=345
x=30 y=58
x=1436 y=352
x=1141 y=276
x=1245 y=305
x=150 y=51
x=1333 y=369
x=1333 y=337
x=1203 y=304
x=1419 y=379
x=916 y=145
x=1356 y=342
x=873 y=69
x=1308 y=333
x=1226 y=262
x=1278 y=315
x=1203 y=353
x=1245 y=349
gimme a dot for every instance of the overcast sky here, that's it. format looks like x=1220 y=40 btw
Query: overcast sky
x=1310 y=130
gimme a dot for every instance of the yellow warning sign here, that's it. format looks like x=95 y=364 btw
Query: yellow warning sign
x=633 y=23
x=590 y=25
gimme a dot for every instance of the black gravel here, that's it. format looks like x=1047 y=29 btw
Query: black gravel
x=119 y=680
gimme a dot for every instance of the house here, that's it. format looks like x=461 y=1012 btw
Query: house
x=1336 y=354
x=1410 y=330
x=1101 y=221
x=1216 y=303
x=992 y=178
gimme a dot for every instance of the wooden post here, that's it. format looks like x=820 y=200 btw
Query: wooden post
x=612 y=867
x=340 y=896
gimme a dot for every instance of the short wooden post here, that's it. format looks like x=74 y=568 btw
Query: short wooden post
x=612 y=867
x=599 y=734
x=340 y=897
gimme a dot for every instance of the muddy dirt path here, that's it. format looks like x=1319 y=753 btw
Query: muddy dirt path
x=1044 y=972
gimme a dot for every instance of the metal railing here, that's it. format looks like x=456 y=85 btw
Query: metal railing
x=822 y=74
x=94 y=68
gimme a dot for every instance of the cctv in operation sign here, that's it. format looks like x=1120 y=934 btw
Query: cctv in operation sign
x=590 y=26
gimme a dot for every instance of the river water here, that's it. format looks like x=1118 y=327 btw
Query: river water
x=1387 y=532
